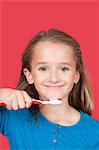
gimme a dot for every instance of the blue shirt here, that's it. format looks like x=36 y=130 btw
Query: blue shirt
x=23 y=132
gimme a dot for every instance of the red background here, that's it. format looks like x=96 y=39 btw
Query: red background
x=22 y=19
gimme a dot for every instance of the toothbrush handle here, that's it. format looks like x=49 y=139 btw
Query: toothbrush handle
x=2 y=104
x=33 y=102
x=36 y=102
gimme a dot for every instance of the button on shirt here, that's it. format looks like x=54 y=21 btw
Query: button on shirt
x=23 y=132
x=54 y=140
x=56 y=131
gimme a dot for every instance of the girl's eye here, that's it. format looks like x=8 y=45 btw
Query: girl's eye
x=64 y=69
x=42 y=69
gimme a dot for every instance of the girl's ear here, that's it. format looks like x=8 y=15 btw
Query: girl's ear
x=28 y=75
x=77 y=77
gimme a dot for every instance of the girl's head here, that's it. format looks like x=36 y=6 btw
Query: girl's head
x=52 y=66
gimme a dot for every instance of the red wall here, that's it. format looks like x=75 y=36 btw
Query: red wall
x=22 y=19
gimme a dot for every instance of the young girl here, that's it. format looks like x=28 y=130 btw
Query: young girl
x=52 y=67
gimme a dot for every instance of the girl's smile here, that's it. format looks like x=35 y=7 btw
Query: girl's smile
x=51 y=86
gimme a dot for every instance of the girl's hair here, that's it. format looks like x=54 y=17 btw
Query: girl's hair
x=80 y=97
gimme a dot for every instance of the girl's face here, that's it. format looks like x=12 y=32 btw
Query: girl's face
x=53 y=70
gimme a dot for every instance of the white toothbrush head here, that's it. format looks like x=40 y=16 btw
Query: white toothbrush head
x=54 y=102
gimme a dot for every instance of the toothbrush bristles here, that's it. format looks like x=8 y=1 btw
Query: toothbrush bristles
x=55 y=101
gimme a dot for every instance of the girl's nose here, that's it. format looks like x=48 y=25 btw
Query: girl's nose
x=54 y=77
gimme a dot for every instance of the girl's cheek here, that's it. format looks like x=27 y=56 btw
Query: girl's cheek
x=40 y=77
x=42 y=74
x=66 y=74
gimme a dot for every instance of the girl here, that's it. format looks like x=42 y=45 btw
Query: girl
x=52 y=67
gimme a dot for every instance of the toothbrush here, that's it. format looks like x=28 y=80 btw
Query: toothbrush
x=52 y=101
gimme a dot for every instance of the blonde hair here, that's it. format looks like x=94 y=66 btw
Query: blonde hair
x=80 y=97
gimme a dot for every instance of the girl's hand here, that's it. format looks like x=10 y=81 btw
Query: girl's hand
x=15 y=99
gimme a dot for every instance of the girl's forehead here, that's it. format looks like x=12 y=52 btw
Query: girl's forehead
x=52 y=53
x=49 y=44
x=47 y=50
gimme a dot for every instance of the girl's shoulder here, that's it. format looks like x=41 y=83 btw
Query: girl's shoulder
x=15 y=115
x=12 y=118
x=89 y=121
x=89 y=128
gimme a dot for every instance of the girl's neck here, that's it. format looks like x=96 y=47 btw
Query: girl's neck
x=62 y=114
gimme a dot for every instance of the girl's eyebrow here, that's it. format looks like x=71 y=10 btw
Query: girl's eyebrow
x=42 y=63
x=61 y=63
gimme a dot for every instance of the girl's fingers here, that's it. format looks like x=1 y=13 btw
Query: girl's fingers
x=20 y=99
x=9 y=104
x=15 y=99
x=15 y=105
x=28 y=99
x=9 y=107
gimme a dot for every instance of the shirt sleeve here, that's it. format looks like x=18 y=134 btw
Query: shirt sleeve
x=3 y=121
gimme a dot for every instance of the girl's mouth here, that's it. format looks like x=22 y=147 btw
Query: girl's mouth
x=54 y=86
